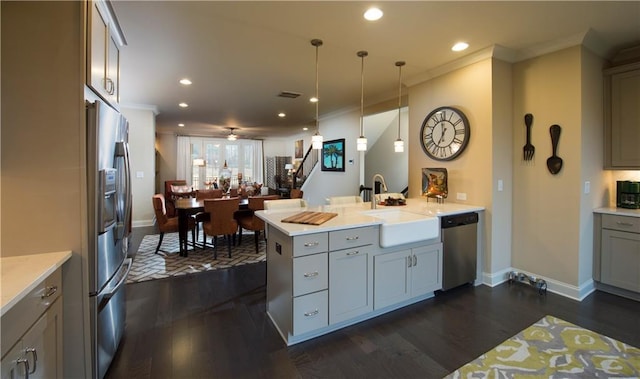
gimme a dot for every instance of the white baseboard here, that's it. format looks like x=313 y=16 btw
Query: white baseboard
x=555 y=286
x=141 y=223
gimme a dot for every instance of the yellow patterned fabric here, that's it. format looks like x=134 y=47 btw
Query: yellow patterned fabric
x=554 y=348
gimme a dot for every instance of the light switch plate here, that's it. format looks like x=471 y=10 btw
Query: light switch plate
x=461 y=196
x=139 y=174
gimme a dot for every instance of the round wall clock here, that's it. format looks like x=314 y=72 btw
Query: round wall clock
x=445 y=133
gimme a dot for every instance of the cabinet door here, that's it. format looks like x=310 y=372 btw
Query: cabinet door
x=43 y=344
x=391 y=278
x=620 y=256
x=97 y=49
x=9 y=366
x=426 y=272
x=112 y=78
x=625 y=117
x=350 y=284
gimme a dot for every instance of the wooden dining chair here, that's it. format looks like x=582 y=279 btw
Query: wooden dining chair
x=249 y=221
x=203 y=216
x=167 y=224
x=221 y=221
x=296 y=193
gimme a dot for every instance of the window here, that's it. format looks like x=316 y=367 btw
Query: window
x=203 y=159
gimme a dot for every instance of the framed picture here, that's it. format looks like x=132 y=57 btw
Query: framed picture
x=299 y=149
x=333 y=155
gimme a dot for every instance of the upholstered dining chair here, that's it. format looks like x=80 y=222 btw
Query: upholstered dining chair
x=338 y=200
x=285 y=204
x=201 y=217
x=167 y=224
x=296 y=193
x=249 y=221
x=221 y=221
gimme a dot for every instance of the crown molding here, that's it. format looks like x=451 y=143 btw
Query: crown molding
x=144 y=107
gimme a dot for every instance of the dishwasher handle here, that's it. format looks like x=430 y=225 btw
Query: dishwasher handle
x=459 y=220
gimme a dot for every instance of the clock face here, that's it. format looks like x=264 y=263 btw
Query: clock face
x=444 y=133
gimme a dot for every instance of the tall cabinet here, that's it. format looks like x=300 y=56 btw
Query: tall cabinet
x=44 y=86
x=622 y=114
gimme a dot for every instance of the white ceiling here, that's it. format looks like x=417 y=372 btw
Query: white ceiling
x=241 y=54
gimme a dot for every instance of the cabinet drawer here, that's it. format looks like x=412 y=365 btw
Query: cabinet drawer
x=310 y=244
x=310 y=312
x=310 y=274
x=348 y=238
x=21 y=316
x=622 y=223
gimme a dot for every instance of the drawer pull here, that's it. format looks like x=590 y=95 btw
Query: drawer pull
x=32 y=350
x=311 y=274
x=415 y=260
x=352 y=238
x=49 y=291
x=409 y=261
x=311 y=244
x=624 y=223
x=312 y=313
x=353 y=252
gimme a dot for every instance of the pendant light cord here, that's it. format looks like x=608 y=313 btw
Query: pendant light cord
x=362 y=54
x=399 y=64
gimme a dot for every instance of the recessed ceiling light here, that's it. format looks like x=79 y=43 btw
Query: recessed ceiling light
x=305 y=128
x=183 y=105
x=459 y=46
x=181 y=125
x=373 y=14
x=185 y=81
x=282 y=115
x=313 y=99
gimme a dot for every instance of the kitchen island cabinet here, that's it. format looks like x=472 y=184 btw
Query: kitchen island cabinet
x=32 y=316
x=364 y=279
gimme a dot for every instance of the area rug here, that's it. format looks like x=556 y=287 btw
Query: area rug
x=148 y=266
x=554 y=348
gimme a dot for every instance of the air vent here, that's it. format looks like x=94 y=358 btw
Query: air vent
x=289 y=94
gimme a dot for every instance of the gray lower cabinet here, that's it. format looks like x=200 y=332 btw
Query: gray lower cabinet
x=350 y=283
x=34 y=347
x=408 y=273
x=620 y=252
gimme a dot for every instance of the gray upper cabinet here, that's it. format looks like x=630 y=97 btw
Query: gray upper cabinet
x=622 y=117
x=103 y=53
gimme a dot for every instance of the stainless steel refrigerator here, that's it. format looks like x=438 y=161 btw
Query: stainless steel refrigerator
x=109 y=213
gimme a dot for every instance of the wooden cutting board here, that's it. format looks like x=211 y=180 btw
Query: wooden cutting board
x=311 y=218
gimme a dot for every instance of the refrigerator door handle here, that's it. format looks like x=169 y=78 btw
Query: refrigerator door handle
x=108 y=292
x=122 y=150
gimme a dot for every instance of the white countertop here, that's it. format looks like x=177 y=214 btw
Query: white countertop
x=352 y=215
x=618 y=211
x=20 y=274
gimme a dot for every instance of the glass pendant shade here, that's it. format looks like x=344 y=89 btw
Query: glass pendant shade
x=398 y=146
x=316 y=141
x=361 y=143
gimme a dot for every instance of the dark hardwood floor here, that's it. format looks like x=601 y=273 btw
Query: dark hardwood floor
x=214 y=325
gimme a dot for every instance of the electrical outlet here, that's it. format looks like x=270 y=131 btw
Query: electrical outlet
x=461 y=196
x=587 y=187
x=500 y=185
x=139 y=174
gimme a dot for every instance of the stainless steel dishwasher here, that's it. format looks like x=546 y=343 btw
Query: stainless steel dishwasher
x=459 y=240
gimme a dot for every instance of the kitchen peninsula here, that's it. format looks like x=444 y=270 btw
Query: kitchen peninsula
x=321 y=278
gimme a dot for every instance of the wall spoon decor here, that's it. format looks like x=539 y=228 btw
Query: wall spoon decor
x=554 y=162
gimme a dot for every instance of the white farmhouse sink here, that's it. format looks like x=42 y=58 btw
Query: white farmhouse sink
x=400 y=227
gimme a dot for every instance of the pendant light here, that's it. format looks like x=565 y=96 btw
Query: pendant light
x=316 y=140
x=398 y=145
x=361 y=142
x=232 y=136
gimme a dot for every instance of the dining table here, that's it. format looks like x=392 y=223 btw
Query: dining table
x=190 y=206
